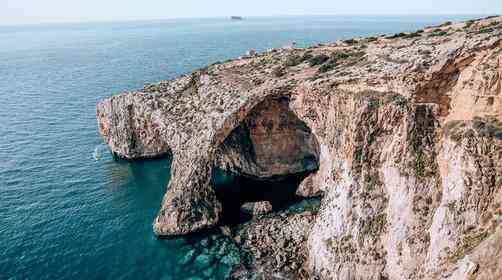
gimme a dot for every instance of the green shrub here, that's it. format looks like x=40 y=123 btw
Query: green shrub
x=425 y=52
x=337 y=55
x=318 y=60
x=327 y=67
x=350 y=41
x=307 y=55
x=293 y=60
x=278 y=72
x=489 y=17
x=467 y=244
x=413 y=35
x=448 y=23
x=439 y=33
x=485 y=30
x=397 y=35
x=469 y=23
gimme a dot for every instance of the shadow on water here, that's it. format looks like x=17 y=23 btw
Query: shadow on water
x=233 y=190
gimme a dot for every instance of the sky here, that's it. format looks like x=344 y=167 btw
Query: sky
x=41 y=11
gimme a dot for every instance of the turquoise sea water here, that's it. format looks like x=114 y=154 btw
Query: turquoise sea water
x=65 y=215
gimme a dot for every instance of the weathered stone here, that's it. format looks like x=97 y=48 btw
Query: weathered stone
x=403 y=135
x=225 y=230
x=257 y=208
x=309 y=187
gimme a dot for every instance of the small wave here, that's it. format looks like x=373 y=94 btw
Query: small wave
x=97 y=152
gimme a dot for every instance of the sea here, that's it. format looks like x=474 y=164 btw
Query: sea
x=68 y=210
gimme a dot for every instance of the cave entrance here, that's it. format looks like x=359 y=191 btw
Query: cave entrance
x=265 y=158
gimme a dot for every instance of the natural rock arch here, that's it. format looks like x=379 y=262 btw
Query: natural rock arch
x=267 y=157
x=264 y=141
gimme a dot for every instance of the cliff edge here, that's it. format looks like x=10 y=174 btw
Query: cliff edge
x=402 y=134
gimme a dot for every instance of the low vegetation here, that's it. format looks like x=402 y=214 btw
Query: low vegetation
x=328 y=63
x=415 y=34
x=278 y=71
x=469 y=23
x=485 y=30
x=448 y=23
x=318 y=60
x=295 y=59
x=350 y=41
x=467 y=244
x=438 y=32
x=482 y=127
x=371 y=39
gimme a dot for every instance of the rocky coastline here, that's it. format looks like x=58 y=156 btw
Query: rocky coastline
x=399 y=138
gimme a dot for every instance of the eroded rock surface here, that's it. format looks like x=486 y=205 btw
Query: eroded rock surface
x=257 y=208
x=270 y=142
x=403 y=133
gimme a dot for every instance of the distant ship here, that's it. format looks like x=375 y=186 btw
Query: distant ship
x=236 y=18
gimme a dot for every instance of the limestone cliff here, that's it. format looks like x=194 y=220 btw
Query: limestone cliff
x=403 y=134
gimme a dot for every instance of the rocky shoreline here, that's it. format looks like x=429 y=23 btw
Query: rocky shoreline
x=401 y=136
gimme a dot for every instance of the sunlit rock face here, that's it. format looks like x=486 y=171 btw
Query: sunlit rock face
x=402 y=135
x=270 y=142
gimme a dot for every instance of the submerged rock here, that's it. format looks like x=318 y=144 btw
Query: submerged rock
x=402 y=136
x=203 y=260
x=188 y=257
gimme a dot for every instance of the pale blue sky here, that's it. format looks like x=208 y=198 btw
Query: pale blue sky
x=35 y=11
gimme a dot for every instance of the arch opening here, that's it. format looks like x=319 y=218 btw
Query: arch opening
x=265 y=158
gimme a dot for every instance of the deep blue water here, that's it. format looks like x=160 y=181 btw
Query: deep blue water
x=65 y=215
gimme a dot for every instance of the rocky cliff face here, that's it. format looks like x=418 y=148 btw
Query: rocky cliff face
x=403 y=134
x=270 y=142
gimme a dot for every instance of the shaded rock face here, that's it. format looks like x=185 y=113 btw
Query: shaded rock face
x=129 y=129
x=270 y=142
x=403 y=135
